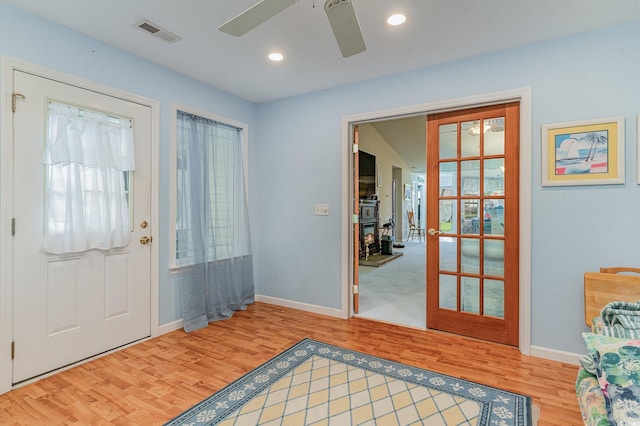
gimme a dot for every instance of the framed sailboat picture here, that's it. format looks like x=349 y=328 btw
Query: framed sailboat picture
x=583 y=152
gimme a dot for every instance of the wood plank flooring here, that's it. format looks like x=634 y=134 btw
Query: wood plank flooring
x=153 y=381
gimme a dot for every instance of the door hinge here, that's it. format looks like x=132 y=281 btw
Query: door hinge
x=355 y=288
x=14 y=97
x=13 y=350
x=355 y=148
x=13 y=226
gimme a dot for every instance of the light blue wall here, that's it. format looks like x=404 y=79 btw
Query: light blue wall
x=295 y=158
x=574 y=229
x=28 y=38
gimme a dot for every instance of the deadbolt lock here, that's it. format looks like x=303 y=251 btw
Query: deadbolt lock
x=143 y=224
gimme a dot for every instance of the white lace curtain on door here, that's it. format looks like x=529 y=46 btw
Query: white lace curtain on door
x=86 y=161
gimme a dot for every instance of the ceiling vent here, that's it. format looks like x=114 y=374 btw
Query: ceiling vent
x=157 y=31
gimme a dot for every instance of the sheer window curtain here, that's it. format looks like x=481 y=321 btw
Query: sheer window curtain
x=86 y=161
x=213 y=240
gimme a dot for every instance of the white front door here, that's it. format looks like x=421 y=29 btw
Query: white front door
x=73 y=306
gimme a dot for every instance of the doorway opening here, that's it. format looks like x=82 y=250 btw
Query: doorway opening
x=351 y=288
x=393 y=289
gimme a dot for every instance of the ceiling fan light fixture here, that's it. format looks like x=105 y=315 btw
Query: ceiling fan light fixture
x=345 y=27
x=340 y=13
x=275 y=56
x=254 y=16
x=396 y=19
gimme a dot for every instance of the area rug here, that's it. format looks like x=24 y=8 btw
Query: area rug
x=314 y=383
x=379 y=259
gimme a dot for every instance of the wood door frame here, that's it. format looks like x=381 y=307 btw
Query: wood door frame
x=355 y=160
x=7 y=66
x=522 y=95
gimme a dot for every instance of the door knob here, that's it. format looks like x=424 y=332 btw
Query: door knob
x=432 y=232
x=145 y=240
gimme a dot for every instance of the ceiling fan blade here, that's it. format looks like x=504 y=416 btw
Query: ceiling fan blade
x=346 y=29
x=254 y=16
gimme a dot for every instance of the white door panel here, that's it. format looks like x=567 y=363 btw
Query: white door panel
x=71 y=307
x=117 y=285
x=62 y=290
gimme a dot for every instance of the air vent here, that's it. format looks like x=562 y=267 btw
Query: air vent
x=157 y=31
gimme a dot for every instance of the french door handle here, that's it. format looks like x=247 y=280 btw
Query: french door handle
x=433 y=232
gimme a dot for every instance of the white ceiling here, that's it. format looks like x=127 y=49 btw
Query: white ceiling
x=408 y=137
x=436 y=31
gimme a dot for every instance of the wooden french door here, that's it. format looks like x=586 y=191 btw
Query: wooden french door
x=472 y=221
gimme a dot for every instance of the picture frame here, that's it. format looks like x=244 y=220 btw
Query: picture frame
x=407 y=192
x=588 y=152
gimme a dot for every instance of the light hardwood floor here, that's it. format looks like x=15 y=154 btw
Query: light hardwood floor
x=153 y=381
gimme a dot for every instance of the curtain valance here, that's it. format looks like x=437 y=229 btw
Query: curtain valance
x=88 y=138
x=88 y=160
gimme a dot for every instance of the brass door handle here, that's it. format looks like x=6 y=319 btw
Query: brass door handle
x=145 y=240
x=432 y=232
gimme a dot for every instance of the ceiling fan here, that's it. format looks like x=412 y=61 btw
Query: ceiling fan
x=341 y=14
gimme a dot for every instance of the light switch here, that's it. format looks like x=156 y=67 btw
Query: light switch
x=322 y=209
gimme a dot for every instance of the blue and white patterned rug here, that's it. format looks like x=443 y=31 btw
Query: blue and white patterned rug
x=316 y=383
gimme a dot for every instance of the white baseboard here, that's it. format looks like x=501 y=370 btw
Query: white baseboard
x=337 y=313
x=177 y=324
x=169 y=327
x=555 y=355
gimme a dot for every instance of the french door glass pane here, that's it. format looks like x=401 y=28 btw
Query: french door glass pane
x=448 y=178
x=470 y=297
x=448 y=291
x=470 y=138
x=494 y=217
x=448 y=254
x=448 y=140
x=494 y=298
x=470 y=216
x=494 y=136
x=470 y=175
x=494 y=176
x=448 y=216
x=470 y=255
x=493 y=258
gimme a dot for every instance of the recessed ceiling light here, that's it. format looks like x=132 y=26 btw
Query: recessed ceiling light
x=396 y=19
x=275 y=56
